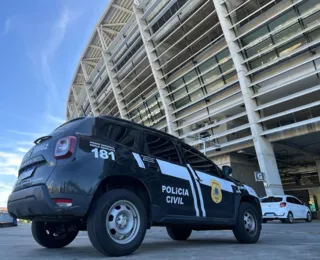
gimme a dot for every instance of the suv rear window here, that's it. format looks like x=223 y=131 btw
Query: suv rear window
x=271 y=199
x=68 y=125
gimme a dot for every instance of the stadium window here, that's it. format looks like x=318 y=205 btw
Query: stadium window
x=105 y=83
x=129 y=55
x=162 y=148
x=167 y=15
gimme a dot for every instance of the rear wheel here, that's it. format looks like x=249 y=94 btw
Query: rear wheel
x=264 y=221
x=52 y=235
x=309 y=217
x=117 y=223
x=290 y=218
x=179 y=233
x=248 y=227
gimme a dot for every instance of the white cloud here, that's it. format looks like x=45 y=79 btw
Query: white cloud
x=25 y=143
x=22 y=150
x=9 y=162
x=57 y=36
x=55 y=120
x=30 y=134
x=4 y=195
x=7 y=26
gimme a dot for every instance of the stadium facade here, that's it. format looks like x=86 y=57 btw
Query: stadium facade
x=237 y=79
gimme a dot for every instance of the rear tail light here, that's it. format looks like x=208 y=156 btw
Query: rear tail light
x=65 y=147
x=63 y=202
x=283 y=204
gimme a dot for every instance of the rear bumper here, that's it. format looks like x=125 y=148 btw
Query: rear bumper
x=36 y=203
x=274 y=215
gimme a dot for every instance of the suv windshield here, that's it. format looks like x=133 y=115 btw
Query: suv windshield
x=271 y=199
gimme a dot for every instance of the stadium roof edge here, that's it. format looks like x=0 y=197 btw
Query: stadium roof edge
x=78 y=67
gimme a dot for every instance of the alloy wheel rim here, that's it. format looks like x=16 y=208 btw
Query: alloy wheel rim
x=290 y=217
x=250 y=223
x=123 y=222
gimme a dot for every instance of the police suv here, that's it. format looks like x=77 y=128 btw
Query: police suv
x=116 y=179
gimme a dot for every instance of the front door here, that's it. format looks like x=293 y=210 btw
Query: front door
x=173 y=188
x=216 y=195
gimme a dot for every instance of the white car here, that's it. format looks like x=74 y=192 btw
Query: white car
x=284 y=208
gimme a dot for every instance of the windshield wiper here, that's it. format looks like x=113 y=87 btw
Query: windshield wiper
x=41 y=139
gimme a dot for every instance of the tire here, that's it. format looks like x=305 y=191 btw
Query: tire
x=264 y=221
x=309 y=217
x=283 y=220
x=179 y=233
x=113 y=209
x=290 y=218
x=248 y=227
x=45 y=235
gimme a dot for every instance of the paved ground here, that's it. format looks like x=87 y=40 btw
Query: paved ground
x=278 y=241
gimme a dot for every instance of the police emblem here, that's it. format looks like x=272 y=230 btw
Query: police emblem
x=216 y=193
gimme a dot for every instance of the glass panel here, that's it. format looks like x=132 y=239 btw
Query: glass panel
x=198 y=162
x=265 y=59
x=290 y=47
x=162 y=148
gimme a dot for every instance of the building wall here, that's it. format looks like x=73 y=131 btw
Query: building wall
x=170 y=67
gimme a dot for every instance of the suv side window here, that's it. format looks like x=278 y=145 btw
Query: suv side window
x=198 y=161
x=162 y=148
x=122 y=135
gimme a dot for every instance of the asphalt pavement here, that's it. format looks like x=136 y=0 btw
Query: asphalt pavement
x=278 y=241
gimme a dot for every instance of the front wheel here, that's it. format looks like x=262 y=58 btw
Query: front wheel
x=117 y=223
x=179 y=233
x=248 y=227
x=52 y=235
x=309 y=217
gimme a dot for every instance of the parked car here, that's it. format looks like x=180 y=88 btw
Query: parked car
x=116 y=179
x=284 y=208
x=6 y=220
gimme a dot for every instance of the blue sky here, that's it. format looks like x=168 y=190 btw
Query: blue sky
x=40 y=45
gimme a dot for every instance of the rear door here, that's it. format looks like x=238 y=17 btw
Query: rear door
x=173 y=189
x=216 y=195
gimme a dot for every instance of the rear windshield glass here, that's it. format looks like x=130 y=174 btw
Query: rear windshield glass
x=271 y=199
x=68 y=125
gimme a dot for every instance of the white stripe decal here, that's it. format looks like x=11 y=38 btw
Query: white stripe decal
x=180 y=172
x=139 y=160
x=206 y=180
x=199 y=190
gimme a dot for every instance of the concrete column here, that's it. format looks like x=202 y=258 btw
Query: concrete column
x=116 y=92
x=318 y=168
x=263 y=147
x=91 y=100
x=86 y=86
x=77 y=101
x=156 y=73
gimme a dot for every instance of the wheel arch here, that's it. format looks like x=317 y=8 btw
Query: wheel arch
x=254 y=201
x=124 y=182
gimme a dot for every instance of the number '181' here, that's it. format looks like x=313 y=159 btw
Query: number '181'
x=103 y=154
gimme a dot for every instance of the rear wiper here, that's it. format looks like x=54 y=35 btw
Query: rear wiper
x=41 y=139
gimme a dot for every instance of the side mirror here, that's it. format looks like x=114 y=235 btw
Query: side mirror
x=227 y=170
